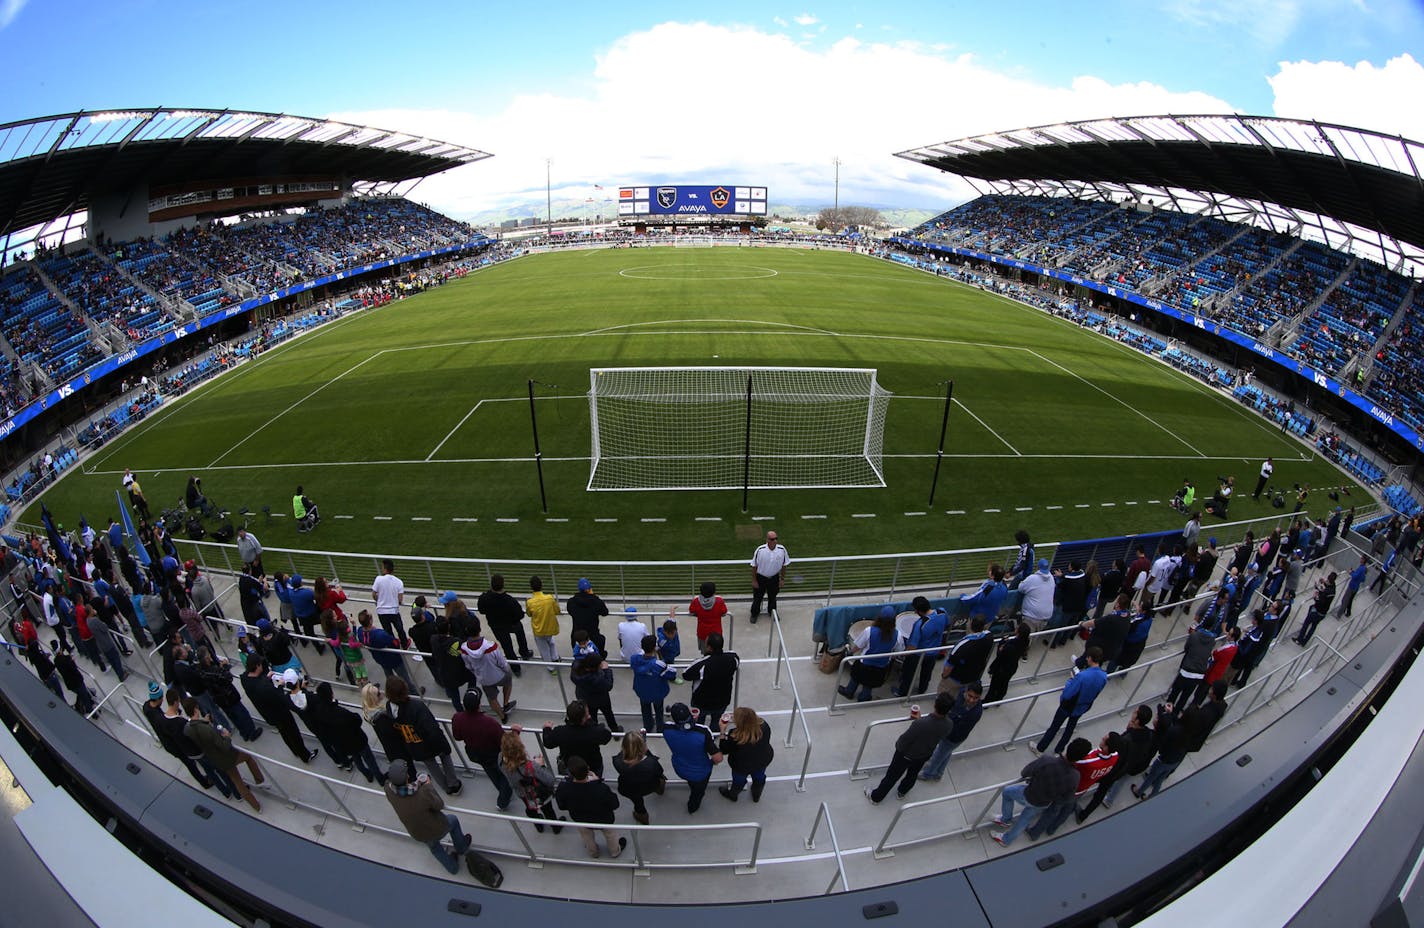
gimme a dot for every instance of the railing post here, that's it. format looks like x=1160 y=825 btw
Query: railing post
x=534 y=862
x=1033 y=677
x=1023 y=721
x=805 y=765
x=860 y=753
x=638 y=851
x=815 y=824
x=751 y=865
x=430 y=569
x=895 y=578
x=831 y=581
x=355 y=822
x=880 y=853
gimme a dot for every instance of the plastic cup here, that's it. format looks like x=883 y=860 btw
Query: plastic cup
x=914 y=712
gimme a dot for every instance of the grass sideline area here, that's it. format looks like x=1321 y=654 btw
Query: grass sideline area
x=409 y=425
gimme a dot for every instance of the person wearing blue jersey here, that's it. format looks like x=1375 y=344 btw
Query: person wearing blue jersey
x=650 y=682
x=1352 y=585
x=1075 y=701
x=927 y=632
x=877 y=643
x=989 y=598
x=693 y=752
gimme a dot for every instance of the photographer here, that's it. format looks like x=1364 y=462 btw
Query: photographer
x=195 y=499
x=1221 y=499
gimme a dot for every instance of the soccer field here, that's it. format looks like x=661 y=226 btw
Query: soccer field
x=410 y=424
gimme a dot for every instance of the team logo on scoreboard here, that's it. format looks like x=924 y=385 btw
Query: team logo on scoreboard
x=720 y=197
x=667 y=196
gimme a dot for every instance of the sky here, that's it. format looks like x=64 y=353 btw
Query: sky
x=733 y=92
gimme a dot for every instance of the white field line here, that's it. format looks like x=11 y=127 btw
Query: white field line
x=502 y=399
x=987 y=426
x=1120 y=401
x=450 y=433
x=294 y=406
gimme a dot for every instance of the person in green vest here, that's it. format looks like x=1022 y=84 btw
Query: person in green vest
x=305 y=511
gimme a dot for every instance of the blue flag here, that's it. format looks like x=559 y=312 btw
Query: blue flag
x=136 y=547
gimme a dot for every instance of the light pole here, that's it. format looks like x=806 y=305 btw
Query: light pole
x=548 y=200
x=836 y=210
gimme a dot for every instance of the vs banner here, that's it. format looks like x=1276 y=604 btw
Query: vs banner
x=684 y=200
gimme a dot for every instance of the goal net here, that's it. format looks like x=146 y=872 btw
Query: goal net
x=689 y=428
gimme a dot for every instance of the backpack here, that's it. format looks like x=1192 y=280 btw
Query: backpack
x=483 y=869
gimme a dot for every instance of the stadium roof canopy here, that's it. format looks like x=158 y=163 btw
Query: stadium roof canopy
x=51 y=167
x=1353 y=189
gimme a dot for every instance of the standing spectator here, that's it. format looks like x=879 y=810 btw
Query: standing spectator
x=1095 y=765
x=713 y=678
x=216 y=675
x=505 y=618
x=585 y=609
x=447 y=664
x=305 y=611
x=1075 y=701
x=390 y=596
x=343 y=732
x=967 y=659
x=1037 y=602
x=877 y=642
x=693 y=752
x=1191 y=531
x=588 y=800
x=421 y=811
x=1048 y=778
x=746 y=743
x=249 y=549
x=1352 y=586
x=963 y=716
x=200 y=590
x=543 y=612
x=1196 y=661
x=927 y=631
x=1070 y=596
x=1109 y=586
x=218 y=750
x=768 y=573
x=383 y=650
x=380 y=715
x=1324 y=597
x=650 y=683
x=579 y=736
x=1134 y=753
x=171 y=737
x=1012 y=650
x=708 y=608
x=422 y=627
x=44 y=669
x=1108 y=634
x=593 y=683
x=1179 y=734
x=274 y=707
x=532 y=781
x=1222 y=657
x=631 y=632
x=283 y=589
x=423 y=736
x=346 y=646
x=486 y=665
x=915 y=746
x=481 y=735
x=639 y=774
x=275 y=645
x=73 y=679
x=106 y=642
x=1250 y=650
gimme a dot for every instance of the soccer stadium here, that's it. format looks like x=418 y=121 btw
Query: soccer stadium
x=1121 y=454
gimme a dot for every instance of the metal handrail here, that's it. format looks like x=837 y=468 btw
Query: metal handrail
x=824 y=812
x=797 y=711
x=519 y=822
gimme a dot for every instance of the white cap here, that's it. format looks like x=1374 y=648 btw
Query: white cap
x=290 y=676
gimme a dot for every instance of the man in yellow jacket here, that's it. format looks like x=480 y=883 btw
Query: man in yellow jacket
x=543 y=612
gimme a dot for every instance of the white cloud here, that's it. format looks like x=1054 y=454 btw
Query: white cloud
x=805 y=19
x=1269 y=21
x=1385 y=99
x=752 y=125
x=9 y=9
x=779 y=21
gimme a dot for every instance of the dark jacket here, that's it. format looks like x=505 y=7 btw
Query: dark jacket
x=579 y=741
x=593 y=688
x=590 y=801
x=1109 y=633
x=1050 y=779
x=1135 y=754
x=748 y=758
x=421 y=812
x=276 y=647
x=640 y=779
x=271 y=703
x=392 y=744
x=584 y=610
x=423 y=736
x=1071 y=595
x=500 y=610
x=336 y=725
x=1008 y=656
x=216 y=749
x=968 y=658
x=712 y=677
x=919 y=740
x=962 y=719
x=217 y=677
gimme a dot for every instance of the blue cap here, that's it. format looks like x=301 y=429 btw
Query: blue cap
x=155 y=690
x=631 y=610
x=294 y=581
x=1212 y=541
x=264 y=626
x=448 y=597
x=1043 y=564
x=585 y=584
x=887 y=612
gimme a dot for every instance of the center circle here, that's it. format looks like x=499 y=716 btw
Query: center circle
x=727 y=272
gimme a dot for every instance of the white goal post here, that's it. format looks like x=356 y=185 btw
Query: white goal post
x=714 y=428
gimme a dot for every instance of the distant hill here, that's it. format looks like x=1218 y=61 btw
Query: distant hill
x=606 y=211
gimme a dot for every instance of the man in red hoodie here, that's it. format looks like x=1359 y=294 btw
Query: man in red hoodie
x=1097 y=764
x=1221 y=657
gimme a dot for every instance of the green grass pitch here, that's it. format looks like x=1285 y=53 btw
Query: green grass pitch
x=410 y=424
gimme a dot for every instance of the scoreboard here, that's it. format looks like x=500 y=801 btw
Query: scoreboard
x=684 y=200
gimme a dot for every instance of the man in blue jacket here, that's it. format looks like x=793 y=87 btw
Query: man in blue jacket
x=694 y=752
x=927 y=632
x=1075 y=700
x=1357 y=580
x=304 y=609
x=650 y=682
x=989 y=598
